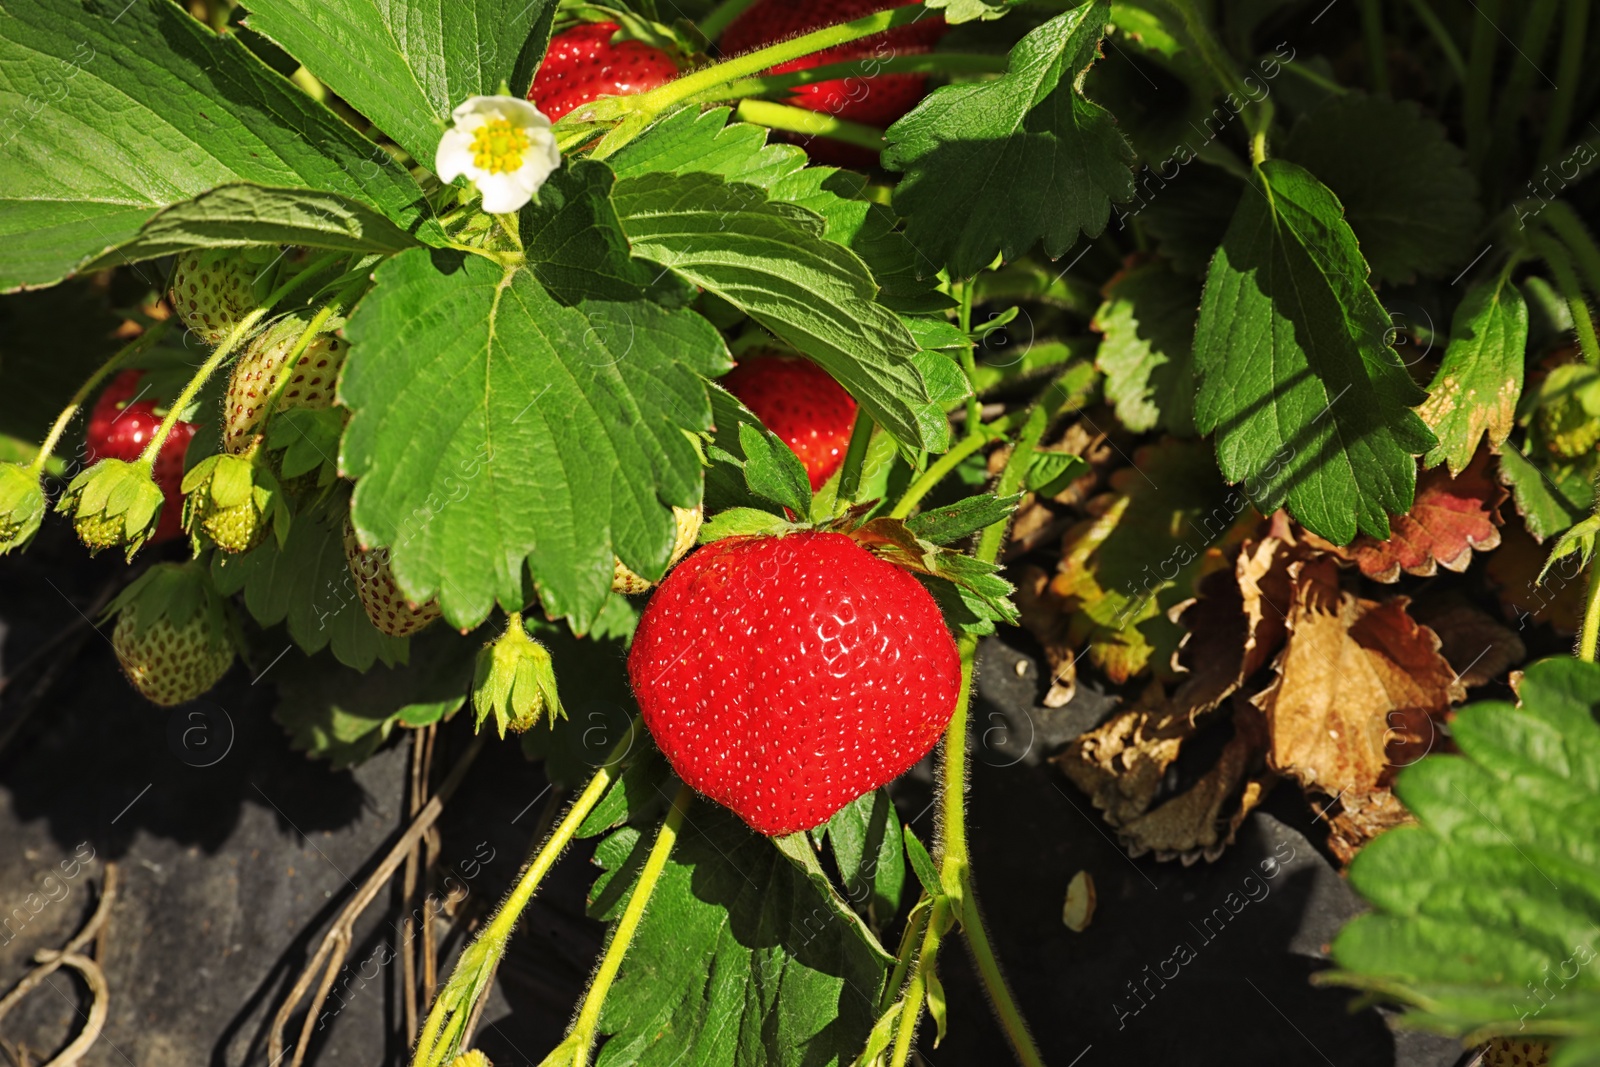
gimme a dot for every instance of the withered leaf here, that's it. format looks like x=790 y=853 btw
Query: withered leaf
x=1350 y=672
x=1361 y=817
x=1449 y=519
x=1479 y=648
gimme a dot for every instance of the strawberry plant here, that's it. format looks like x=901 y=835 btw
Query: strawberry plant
x=762 y=358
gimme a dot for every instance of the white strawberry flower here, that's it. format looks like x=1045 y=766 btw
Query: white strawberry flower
x=503 y=145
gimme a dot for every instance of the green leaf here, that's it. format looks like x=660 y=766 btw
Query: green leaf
x=1406 y=189
x=959 y=11
x=770 y=260
x=1476 y=388
x=1310 y=405
x=922 y=864
x=774 y=472
x=965 y=517
x=342 y=717
x=738 y=960
x=306 y=584
x=233 y=216
x=575 y=245
x=1148 y=321
x=743 y=522
x=405 y=64
x=865 y=838
x=1050 y=473
x=495 y=430
x=131 y=108
x=1543 y=506
x=1487 y=912
x=994 y=167
x=689 y=141
x=309 y=441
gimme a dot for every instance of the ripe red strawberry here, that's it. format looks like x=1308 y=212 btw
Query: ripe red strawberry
x=876 y=100
x=385 y=605
x=798 y=401
x=311 y=384
x=582 y=64
x=122 y=423
x=786 y=676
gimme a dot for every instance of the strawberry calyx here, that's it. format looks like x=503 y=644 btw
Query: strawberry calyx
x=515 y=682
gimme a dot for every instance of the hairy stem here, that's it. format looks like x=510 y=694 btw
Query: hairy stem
x=583 y=1030
x=127 y=352
x=948 y=462
x=1560 y=263
x=911 y=1008
x=430 y=1049
x=809 y=123
x=203 y=375
x=1589 y=636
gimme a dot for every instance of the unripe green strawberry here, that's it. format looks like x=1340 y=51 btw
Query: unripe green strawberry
x=310 y=384
x=624 y=580
x=214 y=290
x=1515 y=1052
x=172 y=637
x=1569 y=410
x=113 y=503
x=385 y=605
x=230 y=501
x=515 y=682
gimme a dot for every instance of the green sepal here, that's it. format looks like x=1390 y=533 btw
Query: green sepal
x=113 y=503
x=22 y=506
x=892 y=540
x=515 y=681
x=176 y=593
x=744 y=522
x=231 y=501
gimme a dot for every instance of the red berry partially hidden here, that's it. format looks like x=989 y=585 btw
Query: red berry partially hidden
x=582 y=64
x=798 y=401
x=876 y=99
x=786 y=676
x=120 y=427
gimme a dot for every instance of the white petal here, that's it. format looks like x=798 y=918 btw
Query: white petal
x=503 y=193
x=454 y=156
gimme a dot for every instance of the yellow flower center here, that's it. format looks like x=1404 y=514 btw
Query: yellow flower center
x=498 y=146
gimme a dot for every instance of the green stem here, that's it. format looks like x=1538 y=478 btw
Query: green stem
x=1011 y=478
x=583 y=1030
x=429 y=1049
x=969 y=362
x=1560 y=263
x=203 y=375
x=911 y=1008
x=1011 y=1020
x=1480 y=80
x=1377 y=54
x=809 y=123
x=722 y=16
x=854 y=457
x=948 y=462
x=922 y=63
x=909 y=940
x=752 y=63
x=1589 y=636
x=1441 y=36
x=1569 y=72
x=128 y=351
x=1517 y=87
x=1320 y=80
x=224 y=350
